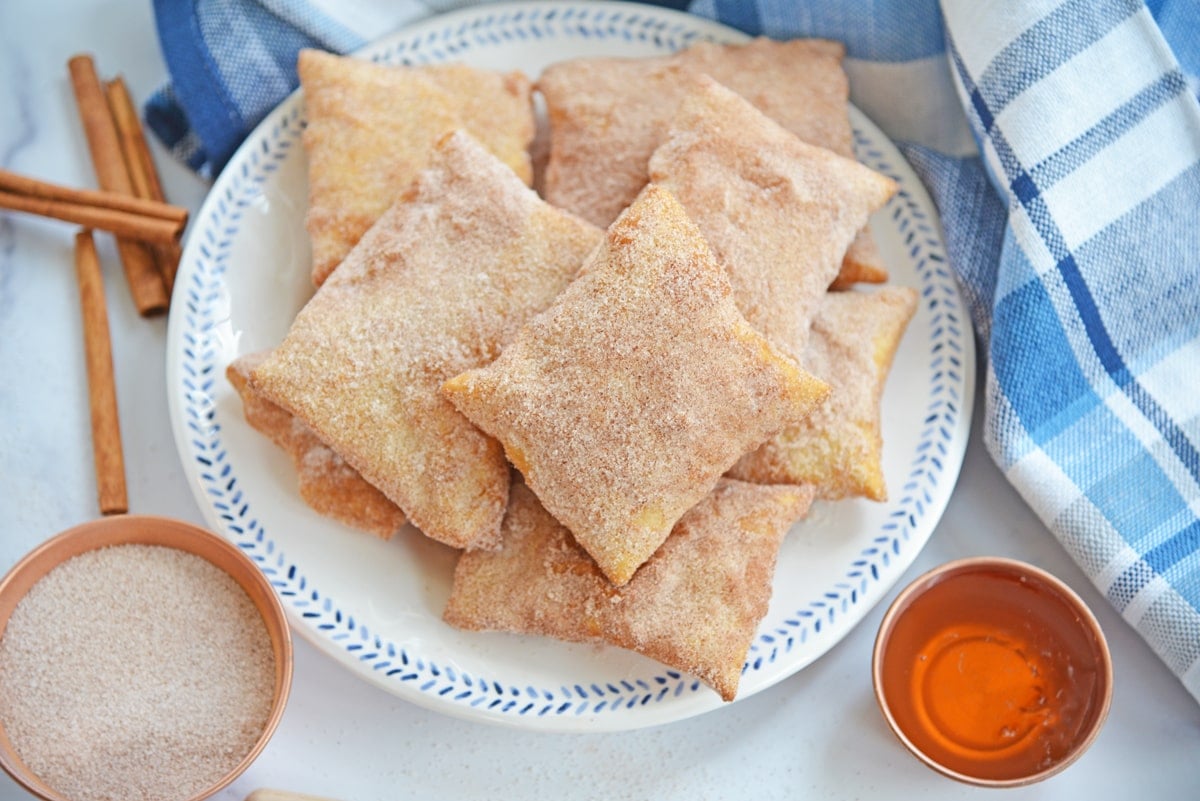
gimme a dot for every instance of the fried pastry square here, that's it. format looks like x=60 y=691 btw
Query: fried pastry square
x=327 y=484
x=694 y=606
x=627 y=399
x=778 y=213
x=802 y=86
x=371 y=127
x=838 y=449
x=607 y=116
x=438 y=285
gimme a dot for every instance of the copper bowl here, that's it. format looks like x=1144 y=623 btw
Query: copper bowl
x=162 y=531
x=992 y=672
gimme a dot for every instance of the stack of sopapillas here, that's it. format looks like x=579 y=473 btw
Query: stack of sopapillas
x=653 y=345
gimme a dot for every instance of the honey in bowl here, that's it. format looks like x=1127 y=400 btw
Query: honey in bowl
x=992 y=672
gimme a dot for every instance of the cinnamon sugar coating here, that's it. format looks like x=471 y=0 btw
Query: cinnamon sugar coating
x=694 y=606
x=438 y=285
x=801 y=85
x=839 y=447
x=778 y=213
x=624 y=402
x=326 y=483
x=371 y=127
x=607 y=116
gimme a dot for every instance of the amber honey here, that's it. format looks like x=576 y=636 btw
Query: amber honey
x=992 y=671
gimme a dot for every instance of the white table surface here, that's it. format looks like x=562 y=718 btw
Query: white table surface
x=815 y=735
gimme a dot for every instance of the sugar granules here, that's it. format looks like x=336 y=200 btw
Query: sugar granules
x=135 y=672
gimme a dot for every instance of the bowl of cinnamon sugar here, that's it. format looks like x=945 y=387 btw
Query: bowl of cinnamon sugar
x=141 y=657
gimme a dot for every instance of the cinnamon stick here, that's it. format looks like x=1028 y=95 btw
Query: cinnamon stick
x=24 y=185
x=92 y=212
x=102 y=392
x=142 y=172
x=108 y=161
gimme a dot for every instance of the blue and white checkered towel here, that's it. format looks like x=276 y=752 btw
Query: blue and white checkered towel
x=1061 y=142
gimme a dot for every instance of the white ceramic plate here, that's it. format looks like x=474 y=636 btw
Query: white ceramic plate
x=376 y=606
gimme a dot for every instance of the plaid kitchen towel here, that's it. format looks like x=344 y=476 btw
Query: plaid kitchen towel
x=1075 y=235
x=1060 y=140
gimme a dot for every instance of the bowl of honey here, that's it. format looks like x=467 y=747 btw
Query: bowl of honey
x=992 y=671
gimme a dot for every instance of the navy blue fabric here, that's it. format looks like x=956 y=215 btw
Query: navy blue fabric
x=231 y=62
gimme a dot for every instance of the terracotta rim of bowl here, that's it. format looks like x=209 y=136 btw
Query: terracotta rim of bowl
x=169 y=532
x=1088 y=620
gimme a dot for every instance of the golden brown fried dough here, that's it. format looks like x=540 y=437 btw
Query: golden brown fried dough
x=627 y=399
x=327 y=484
x=839 y=447
x=778 y=213
x=372 y=127
x=607 y=116
x=694 y=606
x=801 y=85
x=862 y=264
x=438 y=285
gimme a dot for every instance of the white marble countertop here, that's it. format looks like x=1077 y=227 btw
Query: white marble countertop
x=815 y=735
